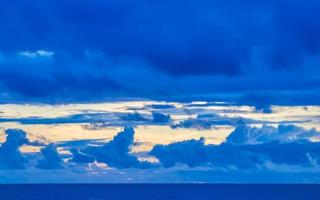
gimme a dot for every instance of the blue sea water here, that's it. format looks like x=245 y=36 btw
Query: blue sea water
x=161 y=191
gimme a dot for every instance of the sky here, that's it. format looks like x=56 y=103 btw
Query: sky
x=170 y=91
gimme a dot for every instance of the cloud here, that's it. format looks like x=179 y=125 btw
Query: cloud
x=12 y=158
x=77 y=118
x=301 y=153
x=261 y=102
x=89 y=52
x=270 y=147
x=133 y=117
x=79 y=157
x=161 y=106
x=175 y=32
x=285 y=144
x=228 y=156
x=10 y=154
x=52 y=87
x=244 y=134
x=159 y=118
x=79 y=143
x=195 y=153
x=246 y=148
x=96 y=119
x=115 y=153
x=207 y=121
x=51 y=158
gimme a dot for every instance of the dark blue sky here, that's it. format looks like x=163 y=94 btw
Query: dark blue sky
x=70 y=51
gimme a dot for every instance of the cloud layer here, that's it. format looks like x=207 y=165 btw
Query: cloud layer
x=246 y=148
x=84 y=51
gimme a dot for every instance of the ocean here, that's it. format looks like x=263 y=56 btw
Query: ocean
x=160 y=191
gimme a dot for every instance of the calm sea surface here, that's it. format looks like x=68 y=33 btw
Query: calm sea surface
x=160 y=191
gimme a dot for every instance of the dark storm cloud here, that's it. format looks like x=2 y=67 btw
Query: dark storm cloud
x=59 y=85
x=157 y=49
x=169 y=35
